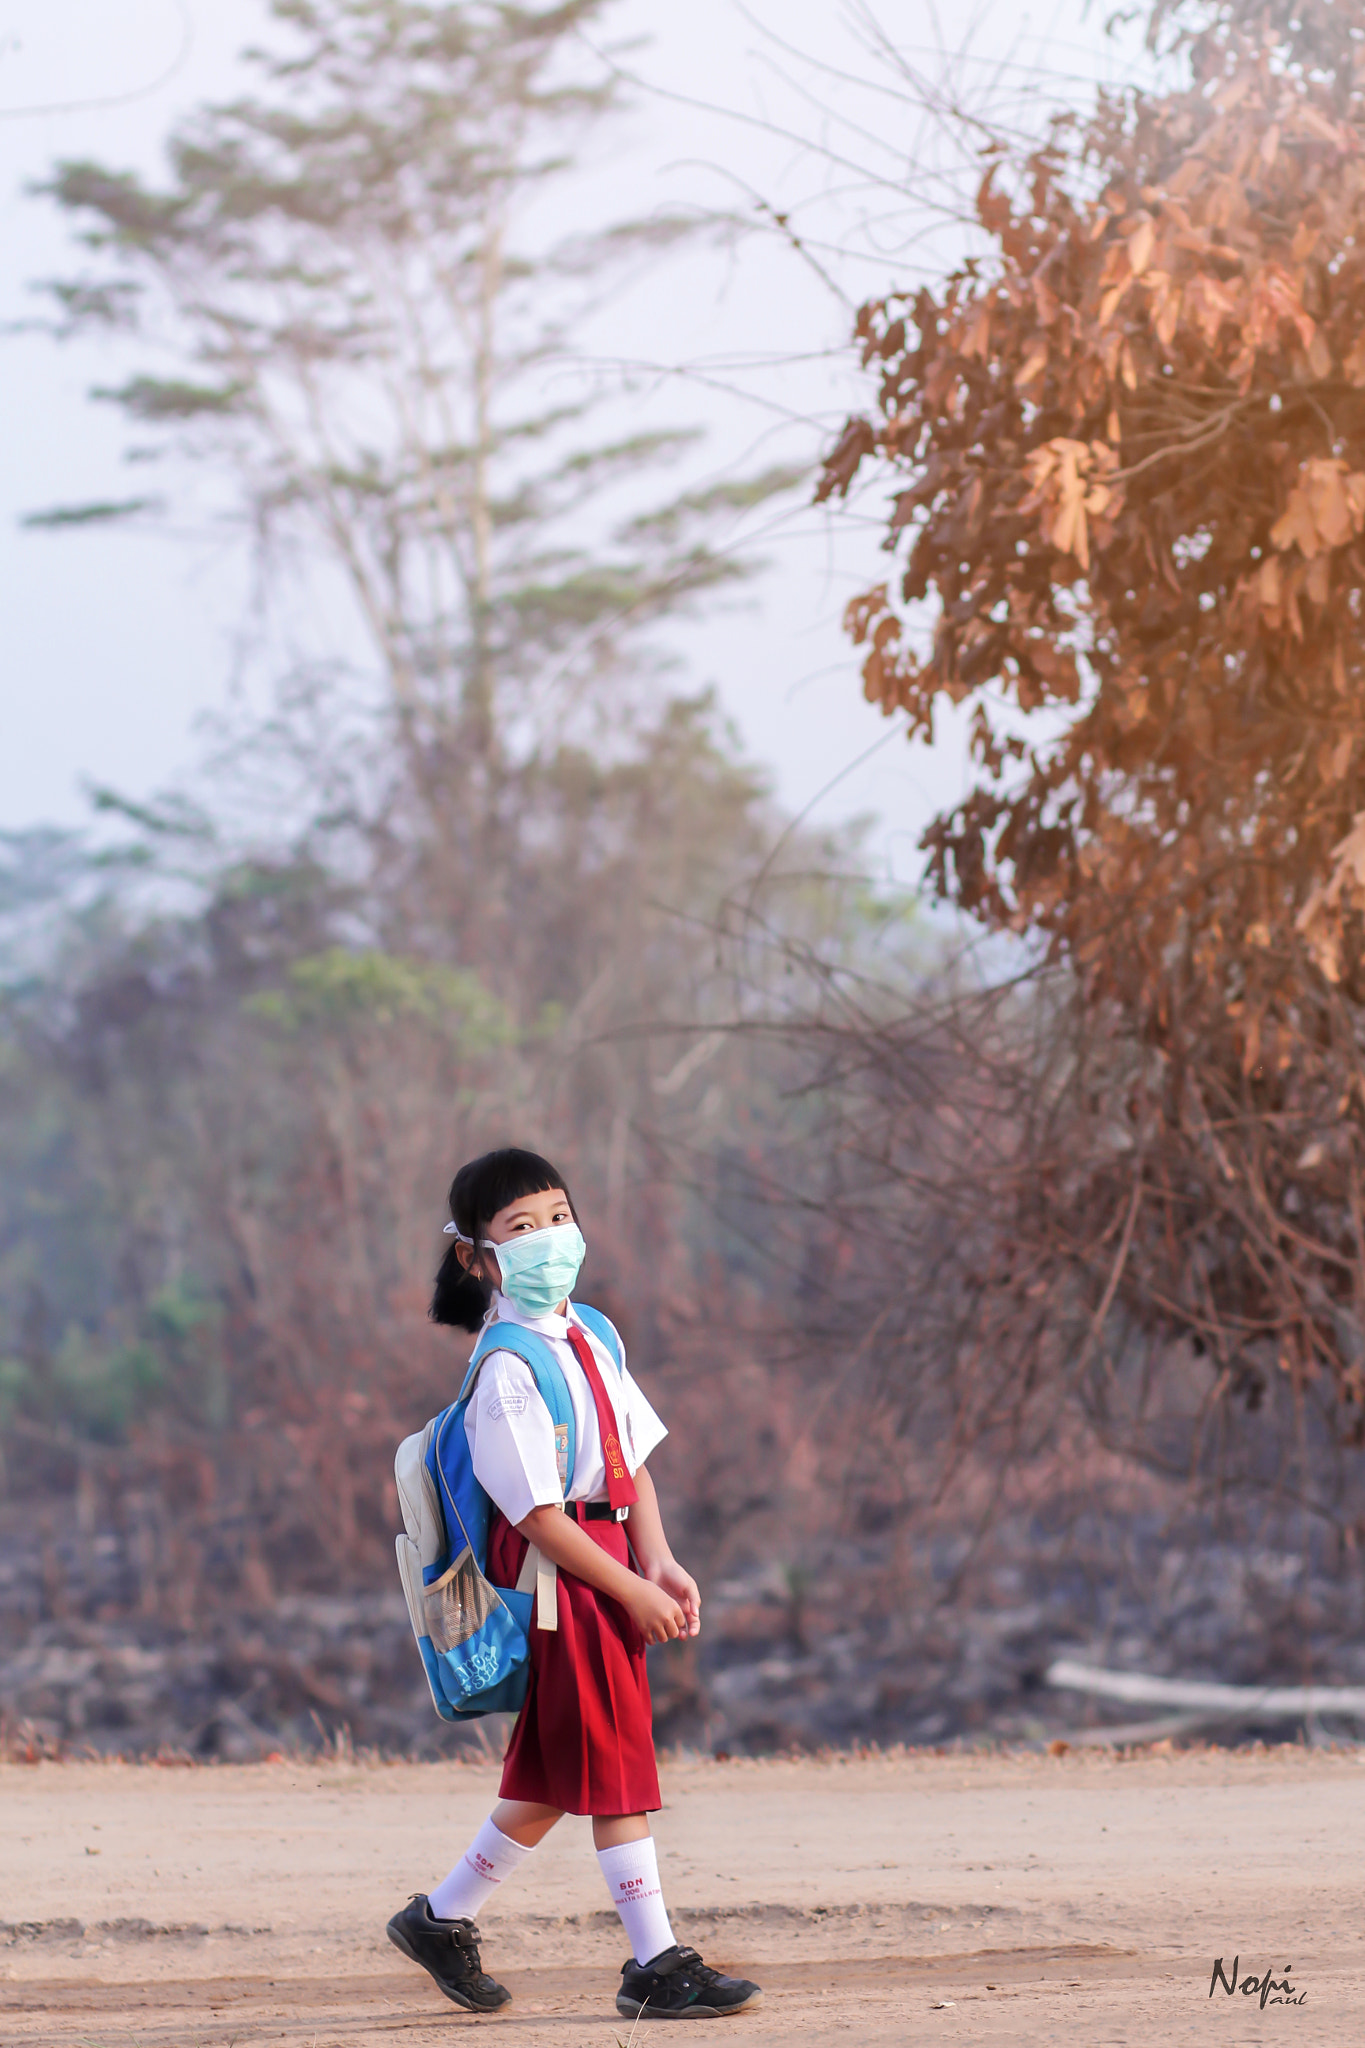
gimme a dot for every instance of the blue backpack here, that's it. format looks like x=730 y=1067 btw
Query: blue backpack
x=474 y=1637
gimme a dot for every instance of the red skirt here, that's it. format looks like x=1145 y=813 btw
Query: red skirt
x=584 y=1739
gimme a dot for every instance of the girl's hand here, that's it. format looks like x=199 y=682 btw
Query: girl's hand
x=656 y=1560
x=656 y=1613
x=673 y=1579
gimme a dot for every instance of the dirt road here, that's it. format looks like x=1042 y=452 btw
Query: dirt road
x=1013 y=1899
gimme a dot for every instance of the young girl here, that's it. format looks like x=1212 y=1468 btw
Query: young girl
x=583 y=1742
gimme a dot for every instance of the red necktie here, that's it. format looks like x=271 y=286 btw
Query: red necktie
x=620 y=1486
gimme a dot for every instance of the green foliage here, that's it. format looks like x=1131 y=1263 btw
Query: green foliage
x=179 y=1310
x=338 y=990
x=16 y=1380
x=173 y=398
x=96 y=1387
x=101 y=512
x=99 y=1390
x=737 y=494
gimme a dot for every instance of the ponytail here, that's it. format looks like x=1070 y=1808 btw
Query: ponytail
x=460 y=1299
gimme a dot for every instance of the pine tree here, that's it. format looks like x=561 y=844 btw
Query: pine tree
x=368 y=331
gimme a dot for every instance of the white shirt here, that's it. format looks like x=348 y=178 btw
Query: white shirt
x=511 y=1435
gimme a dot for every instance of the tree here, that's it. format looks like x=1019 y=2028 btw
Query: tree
x=483 y=910
x=1127 y=446
x=364 y=313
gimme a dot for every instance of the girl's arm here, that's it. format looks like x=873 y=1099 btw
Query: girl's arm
x=655 y=1559
x=653 y=1607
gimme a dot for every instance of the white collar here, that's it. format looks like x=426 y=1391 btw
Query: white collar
x=505 y=1311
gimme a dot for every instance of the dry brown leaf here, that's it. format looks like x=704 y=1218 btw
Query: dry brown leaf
x=1212 y=601
x=1323 y=130
x=1337 y=757
x=1166 y=310
x=1109 y=304
x=979 y=338
x=1210 y=302
x=1326 y=507
x=1069 y=488
x=1322 y=918
x=1140 y=247
x=1034 y=363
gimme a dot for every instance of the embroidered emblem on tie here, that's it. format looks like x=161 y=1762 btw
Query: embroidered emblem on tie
x=612 y=1450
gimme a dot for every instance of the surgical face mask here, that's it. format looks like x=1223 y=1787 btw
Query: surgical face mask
x=540 y=1267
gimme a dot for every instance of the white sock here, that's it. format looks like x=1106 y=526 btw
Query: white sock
x=490 y=1857
x=632 y=1873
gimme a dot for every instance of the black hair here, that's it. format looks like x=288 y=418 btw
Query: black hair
x=479 y=1190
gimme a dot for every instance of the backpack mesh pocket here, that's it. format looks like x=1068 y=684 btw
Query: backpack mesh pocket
x=458 y=1604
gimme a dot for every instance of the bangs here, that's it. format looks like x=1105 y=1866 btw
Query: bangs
x=485 y=1185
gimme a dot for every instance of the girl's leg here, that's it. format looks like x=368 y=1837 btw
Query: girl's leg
x=504 y=1842
x=625 y=1851
x=610 y=1830
x=521 y=1820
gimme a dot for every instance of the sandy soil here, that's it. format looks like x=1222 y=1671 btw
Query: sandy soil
x=1014 y=1899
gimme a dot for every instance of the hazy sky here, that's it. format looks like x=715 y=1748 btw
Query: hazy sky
x=116 y=642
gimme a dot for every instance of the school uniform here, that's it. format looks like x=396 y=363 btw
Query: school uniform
x=584 y=1739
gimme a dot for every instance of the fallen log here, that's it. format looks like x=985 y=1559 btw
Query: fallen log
x=1231 y=1702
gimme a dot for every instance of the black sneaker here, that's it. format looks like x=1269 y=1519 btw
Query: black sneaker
x=678 y=1985
x=449 y=1950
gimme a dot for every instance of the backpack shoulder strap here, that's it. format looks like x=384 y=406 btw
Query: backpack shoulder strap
x=439 y=1428
x=602 y=1328
x=535 y=1352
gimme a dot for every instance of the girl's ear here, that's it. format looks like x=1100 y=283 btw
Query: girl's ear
x=474 y=1260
